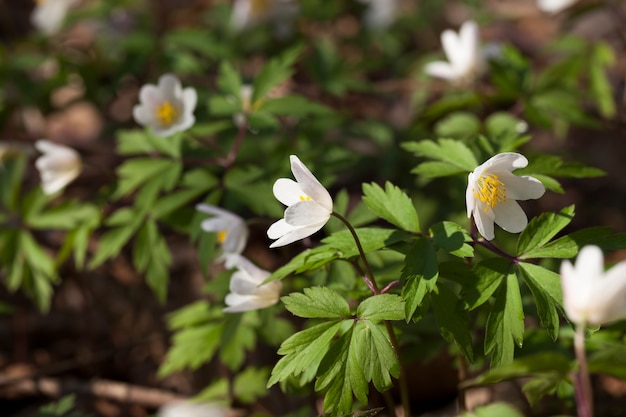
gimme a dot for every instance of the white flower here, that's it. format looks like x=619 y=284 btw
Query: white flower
x=465 y=60
x=249 y=13
x=380 y=14
x=58 y=165
x=232 y=231
x=189 y=409
x=492 y=191
x=166 y=108
x=554 y=6
x=48 y=15
x=309 y=206
x=591 y=295
x=245 y=95
x=246 y=291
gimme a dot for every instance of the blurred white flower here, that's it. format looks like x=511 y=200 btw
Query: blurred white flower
x=465 y=59
x=592 y=296
x=246 y=291
x=232 y=231
x=245 y=95
x=554 y=6
x=249 y=13
x=48 y=15
x=166 y=108
x=309 y=206
x=380 y=14
x=58 y=165
x=492 y=191
x=189 y=409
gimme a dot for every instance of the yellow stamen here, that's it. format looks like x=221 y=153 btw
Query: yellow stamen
x=305 y=198
x=490 y=190
x=259 y=7
x=221 y=236
x=166 y=113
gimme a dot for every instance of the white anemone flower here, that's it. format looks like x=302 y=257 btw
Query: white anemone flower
x=554 y=6
x=465 y=59
x=189 y=409
x=166 y=108
x=245 y=95
x=492 y=194
x=58 y=165
x=247 y=291
x=309 y=205
x=249 y=13
x=232 y=231
x=48 y=15
x=591 y=295
x=380 y=14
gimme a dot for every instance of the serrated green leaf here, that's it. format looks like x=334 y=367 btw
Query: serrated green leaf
x=460 y=125
x=274 y=72
x=228 y=79
x=609 y=360
x=374 y=355
x=305 y=261
x=453 y=321
x=545 y=286
x=304 y=351
x=317 y=302
x=135 y=172
x=552 y=165
x=486 y=277
x=543 y=228
x=191 y=348
x=133 y=142
x=381 y=307
x=568 y=246
x=433 y=169
x=250 y=383
x=192 y=314
x=419 y=275
x=392 y=204
x=601 y=89
x=372 y=239
x=505 y=324
x=452 y=152
x=452 y=238
x=294 y=105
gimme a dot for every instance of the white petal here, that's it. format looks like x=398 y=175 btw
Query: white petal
x=306 y=213
x=190 y=99
x=506 y=161
x=510 y=216
x=243 y=284
x=470 y=200
x=554 y=6
x=612 y=300
x=188 y=409
x=484 y=222
x=209 y=209
x=238 y=304
x=255 y=274
x=522 y=188
x=279 y=229
x=236 y=239
x=589 y=264
x=309 y=184
x=452 y=47
x=150 y=96
x=468 y=37
x=288 y=191
x=441 y=69
x=214 y=224
x=170 y=87
x=295 y=234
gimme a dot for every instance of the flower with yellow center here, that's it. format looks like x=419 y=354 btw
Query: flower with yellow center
x=492 y=194
x=58 y=165
x=48 y=15
x=247 y=291
x=232 y=231
x=309 y=205
x=166 y=108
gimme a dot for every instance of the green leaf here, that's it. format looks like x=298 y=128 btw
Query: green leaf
x=452 y=238
x=568 y=246
x=392 y=204
x=505 y=324
x=306 y=261
x=228 y=79
x=555 y=166
x=274 y=72
x=499 y=124
x=543 y=228
x=381 y=307
x=238 y=337
x=317 y=302
x=374 y=355
x=611 y=360
x=133 y=142
x=135 y=172
x=419 y=275
x=250 y=383
x=494 y=410
x=191 y=348
x=452 y=152
x=453 y=321
x=293 y=105
x=304 y=351
x=432 y=169
x=545 y=286
x=459 y=125
x=65 y=216
x=602 y=56
x=372 y=239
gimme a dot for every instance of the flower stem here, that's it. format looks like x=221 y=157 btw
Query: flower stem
x=370 y=281
x=234 y=150
x=582 y=383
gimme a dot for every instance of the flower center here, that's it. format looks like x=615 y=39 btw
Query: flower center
x=490 y=190
x=221 y=236
x=305 y=198
x=259 y=7
x=166 y=113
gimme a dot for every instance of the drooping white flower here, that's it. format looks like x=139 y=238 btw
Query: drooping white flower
x=554 y=6
x=492 y=191
x=48 y=15
x=58 y=165
x=465 y=59
x=232 y=231
x=309 y=205
x=246 y=291
x=189 y=409
x=592 y=296
x=249 y=13
x=166 y=108
x=380 y=14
